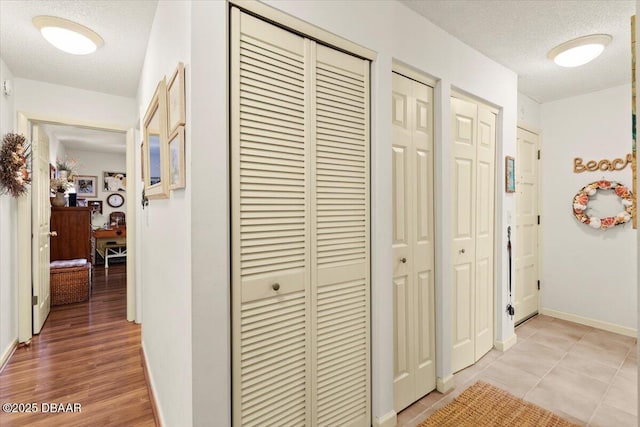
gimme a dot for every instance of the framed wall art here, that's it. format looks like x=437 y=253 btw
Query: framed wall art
x=510 y=175
x=155 y=146
x=86 y=186
x=175 y=100
x=96 y=206
x=114 y=181
x=176 y=159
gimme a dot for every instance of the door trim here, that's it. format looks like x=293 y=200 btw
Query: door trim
x=25 y=321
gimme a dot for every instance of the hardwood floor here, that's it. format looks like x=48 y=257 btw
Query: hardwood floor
x=87 y=353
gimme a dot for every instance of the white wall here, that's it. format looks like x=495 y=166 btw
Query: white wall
x=93 y=163
x=528 y=112
x=63 y=103
x=586 y=272
x=393 y=31
x=165 y=253
x=8 y=237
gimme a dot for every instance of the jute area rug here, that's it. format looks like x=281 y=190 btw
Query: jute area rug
x=483 y=405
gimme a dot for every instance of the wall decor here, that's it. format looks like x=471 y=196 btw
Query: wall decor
x=603 y=165
x=52 y=171
x=96 y=206
x=114 y=181
x=176 y=159
x=115 y=200
x=581 y=204
x=14 y=168
x=510 y=175
x=82 y=203
x=86 y=186
x=156 y=148
x=175 y=100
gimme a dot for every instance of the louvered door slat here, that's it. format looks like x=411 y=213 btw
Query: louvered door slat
x=341 y=240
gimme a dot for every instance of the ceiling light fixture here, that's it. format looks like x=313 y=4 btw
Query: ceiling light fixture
x=579 y=51
x=68 y=36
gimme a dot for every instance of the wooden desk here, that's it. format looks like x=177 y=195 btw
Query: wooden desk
x=103 y=236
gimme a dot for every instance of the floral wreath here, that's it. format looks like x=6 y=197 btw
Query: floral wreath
x=581 y=204
x=14 y=170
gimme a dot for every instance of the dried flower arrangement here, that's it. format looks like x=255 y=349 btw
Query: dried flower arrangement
x=14 y=171
x=67 y=168
x=60 y=185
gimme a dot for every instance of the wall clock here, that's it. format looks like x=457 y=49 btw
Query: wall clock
x=115 y=200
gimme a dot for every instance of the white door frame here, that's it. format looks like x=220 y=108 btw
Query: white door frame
x=24 y=122
x=538 y=132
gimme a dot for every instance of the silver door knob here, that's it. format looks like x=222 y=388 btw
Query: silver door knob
x=53 y=233
x=403 y=260
x=275 y=286
x=461 y=251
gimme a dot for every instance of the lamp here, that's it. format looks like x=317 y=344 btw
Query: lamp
x=579 y=51
x=68 y=36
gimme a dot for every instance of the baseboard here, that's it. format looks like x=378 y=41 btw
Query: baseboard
x=506 y=344
x=599 y=324
x=389 y=419
x=6 y=355
x=150 y=388
x=445 y=385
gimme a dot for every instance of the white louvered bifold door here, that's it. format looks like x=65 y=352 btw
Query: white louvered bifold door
x=300 y=230
x=270 y=225
x=341 y=240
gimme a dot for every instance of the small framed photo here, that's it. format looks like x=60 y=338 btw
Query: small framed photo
x=86 y=186
x=114 y=181
x=96 y=206
x=176 y=159
x=82 y=203
x=175 y=100
x=52 y=171
x=510 y=174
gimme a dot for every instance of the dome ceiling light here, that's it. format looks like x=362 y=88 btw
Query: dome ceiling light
x=68 y=36
x=579 y=51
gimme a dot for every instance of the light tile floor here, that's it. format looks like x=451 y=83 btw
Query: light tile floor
x=583 y=374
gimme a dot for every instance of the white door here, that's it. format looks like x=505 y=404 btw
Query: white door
x=41 y=214
x=526 y=236
x=413 y=235
x=473 y=175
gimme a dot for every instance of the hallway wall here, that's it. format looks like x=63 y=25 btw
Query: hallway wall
x=8 y=237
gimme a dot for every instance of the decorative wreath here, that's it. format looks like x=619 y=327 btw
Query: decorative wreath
x=581 y=204
x=14 y=172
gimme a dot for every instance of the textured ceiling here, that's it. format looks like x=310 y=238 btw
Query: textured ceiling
x=114 y=68
x=77 y=138
x=519 y=33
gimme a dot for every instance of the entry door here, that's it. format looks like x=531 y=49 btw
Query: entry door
x=526 y=236
x=473 y=183
x=413 y=241
x=41 y=211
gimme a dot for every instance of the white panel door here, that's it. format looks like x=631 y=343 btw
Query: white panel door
x=340 y=229
x=413 y=233
x=526 y=236
x=270 y=225
x=473 y=182
x=41 y=215
x=485 y=197
x=463 y=131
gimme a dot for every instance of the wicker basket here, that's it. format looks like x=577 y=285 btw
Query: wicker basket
x=70 y=284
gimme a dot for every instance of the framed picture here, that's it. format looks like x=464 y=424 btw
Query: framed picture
x=52 y=171
x=86 y=186
x=176 y=159
x=155 y=155
x=175 y=100
x=142 y=160
x=82 y=203
x=96 y=206
x=115 y=181
x=510 y=175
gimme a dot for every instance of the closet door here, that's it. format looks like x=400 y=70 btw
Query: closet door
x=270 y=225
x=340 y=230
x=474 y=138
x=413 y=252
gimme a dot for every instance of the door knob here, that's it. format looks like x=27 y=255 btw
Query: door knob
x=275 y=286
x=461 y=251
x=403 y=260
x=53 y=234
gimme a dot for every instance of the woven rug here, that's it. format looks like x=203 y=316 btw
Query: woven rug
x=483 y=405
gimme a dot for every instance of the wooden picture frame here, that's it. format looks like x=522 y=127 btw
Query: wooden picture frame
x=52 y=171
x=86 y=185
x=176 y=160
x=176 y=114
x=114 y=181
x=510 y=175
x=96 y=206
x=82 y=203
x=155 y=147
